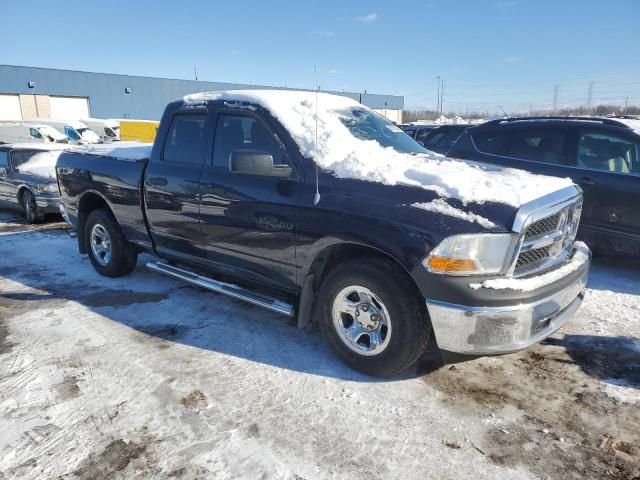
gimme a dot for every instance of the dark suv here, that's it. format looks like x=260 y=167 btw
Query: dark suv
x=602 y=155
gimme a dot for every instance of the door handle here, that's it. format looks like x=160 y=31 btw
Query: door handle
x=157 y=181
x=587 y=181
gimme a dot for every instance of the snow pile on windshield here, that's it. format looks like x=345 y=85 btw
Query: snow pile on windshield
x=580 y=257
x=119 y=150
x=41 y=164
x=333 y=146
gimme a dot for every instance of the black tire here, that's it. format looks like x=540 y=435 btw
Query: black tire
x=123 y=256
x=31 y=211
x=408 y=316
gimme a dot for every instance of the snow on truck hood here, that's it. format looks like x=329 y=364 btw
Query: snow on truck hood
x=335 y=148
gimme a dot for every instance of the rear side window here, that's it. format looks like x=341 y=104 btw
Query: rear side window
x=422 y=134
x=184 y=141
x=443 y=137
x=545 y=145
x=491 y=142
x=608 y=152
x=35 y=133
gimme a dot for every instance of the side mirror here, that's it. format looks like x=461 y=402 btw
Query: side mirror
x=3 y=172
x=256 y=162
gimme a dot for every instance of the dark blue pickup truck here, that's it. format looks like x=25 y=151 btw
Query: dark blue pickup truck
x=314 y=206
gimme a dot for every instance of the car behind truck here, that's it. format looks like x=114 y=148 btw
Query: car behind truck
x=313 y=206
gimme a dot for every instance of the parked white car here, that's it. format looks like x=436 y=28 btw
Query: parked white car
x=32 y=133
x=76 y=131
x=107 y=129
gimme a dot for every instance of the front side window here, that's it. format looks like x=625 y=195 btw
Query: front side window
x=3 y=159
x=184 y=141
x=244 y=133
x=608 y=152
x=367 y=125
x=35 y=133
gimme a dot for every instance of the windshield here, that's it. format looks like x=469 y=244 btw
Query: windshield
x=367 y=125
x=51 y=132
x=36 y=163
x=88 y=134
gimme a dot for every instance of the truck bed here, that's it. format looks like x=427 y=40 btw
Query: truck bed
x=111 y=173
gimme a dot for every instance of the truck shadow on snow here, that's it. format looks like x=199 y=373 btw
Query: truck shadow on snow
x=168 y=312
x=614 y=360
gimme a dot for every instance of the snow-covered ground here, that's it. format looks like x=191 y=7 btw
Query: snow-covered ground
x=145 y=377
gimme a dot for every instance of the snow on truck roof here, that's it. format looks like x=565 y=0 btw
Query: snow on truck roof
x=335 y=148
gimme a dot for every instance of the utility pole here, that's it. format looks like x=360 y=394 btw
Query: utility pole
x=195 y=72
x=442 y=99
x=589 y=95
x=555 y=97
x=438 y=97
x=626 y=104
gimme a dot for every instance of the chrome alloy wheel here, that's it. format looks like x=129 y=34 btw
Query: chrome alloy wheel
x=361 y=320
x=100 y=244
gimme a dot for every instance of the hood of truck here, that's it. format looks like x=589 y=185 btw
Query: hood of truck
x=420 y=208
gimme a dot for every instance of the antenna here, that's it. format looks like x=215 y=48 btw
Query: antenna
x=505 y=113
x=316 y=198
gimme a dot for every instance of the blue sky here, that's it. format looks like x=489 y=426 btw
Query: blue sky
x=490 y=53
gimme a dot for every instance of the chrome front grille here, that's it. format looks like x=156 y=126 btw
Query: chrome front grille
x=543 y=226
x=547 y=240
x=530 y=260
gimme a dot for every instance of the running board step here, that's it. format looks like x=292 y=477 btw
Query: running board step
x=228 y=289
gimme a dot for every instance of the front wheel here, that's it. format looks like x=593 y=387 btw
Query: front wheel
x=110 y=253
x=372 y=317
x=31 y=212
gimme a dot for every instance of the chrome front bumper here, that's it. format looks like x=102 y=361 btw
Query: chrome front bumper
x=497 y=330
x=48 y=204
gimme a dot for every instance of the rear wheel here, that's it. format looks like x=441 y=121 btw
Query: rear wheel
x=372 y=317
x=110 y=254
x=31 y=212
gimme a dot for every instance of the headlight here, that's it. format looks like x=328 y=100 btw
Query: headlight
x=48 y=188
x=470 y=254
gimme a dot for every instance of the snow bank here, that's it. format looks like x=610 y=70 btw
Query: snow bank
x=334 y=148
x=439 y=205
x=119 y=150
x=580 y=257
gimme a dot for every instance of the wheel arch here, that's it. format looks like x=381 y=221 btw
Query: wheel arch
x=87 y=203
x=326 y=260
x=21 y=190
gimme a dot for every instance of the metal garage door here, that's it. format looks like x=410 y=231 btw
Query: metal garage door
x=10 y=107
x=69 y=108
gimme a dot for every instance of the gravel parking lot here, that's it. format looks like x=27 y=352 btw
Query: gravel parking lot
x=145 y=377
